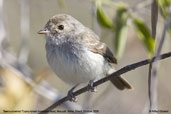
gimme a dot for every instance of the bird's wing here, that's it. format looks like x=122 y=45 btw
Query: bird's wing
x=91 y=40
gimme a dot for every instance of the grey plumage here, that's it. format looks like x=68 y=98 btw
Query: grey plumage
x=76 y=54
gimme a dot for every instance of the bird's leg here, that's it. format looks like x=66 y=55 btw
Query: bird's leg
x=72 y=98
x=90 y=86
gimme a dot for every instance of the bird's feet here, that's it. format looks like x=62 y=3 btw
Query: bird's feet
x=72 y=98
x=91 y=87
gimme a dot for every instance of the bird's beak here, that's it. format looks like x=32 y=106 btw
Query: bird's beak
x=44 y=31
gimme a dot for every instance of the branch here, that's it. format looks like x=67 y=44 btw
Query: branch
x=153 y=74
x=25 y=30
x=154 y=18
x=103 y=80
x=2 y=28
x=154 y=68
x=152 y=80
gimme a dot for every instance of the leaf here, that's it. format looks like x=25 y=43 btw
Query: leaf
x=121 y=30
x=144 y=34
x=164 y=7
x=166 y=12
x=102 y=18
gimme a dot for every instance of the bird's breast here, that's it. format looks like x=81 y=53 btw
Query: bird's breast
x=75 y=65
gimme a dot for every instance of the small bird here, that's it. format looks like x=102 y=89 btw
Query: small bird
x=76 y=54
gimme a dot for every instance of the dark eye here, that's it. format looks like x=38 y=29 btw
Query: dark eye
x=61 y=27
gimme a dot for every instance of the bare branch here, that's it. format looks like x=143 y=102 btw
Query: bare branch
x=103 y=80
x=153 y=82
x=154 y=69
x=154 y=18
x=2 y=28
x=25 y=26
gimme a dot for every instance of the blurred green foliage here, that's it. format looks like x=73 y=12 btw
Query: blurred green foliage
x=164 y=7
x=144 y=34
x=119 y=27
x=121 y=30
x=102 y=17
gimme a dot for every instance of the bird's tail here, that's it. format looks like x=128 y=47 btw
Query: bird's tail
x=120 y=83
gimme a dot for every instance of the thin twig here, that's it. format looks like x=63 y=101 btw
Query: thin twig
x=154 y=19
x=153 y=85
x=103 y=80
x=2 y=28
x=25 y=26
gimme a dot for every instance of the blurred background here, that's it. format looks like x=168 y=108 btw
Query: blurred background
x=26 y=81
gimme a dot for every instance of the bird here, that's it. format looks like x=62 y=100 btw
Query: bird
x=76 y=54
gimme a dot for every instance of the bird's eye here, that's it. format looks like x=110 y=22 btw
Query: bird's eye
x=61 y=27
